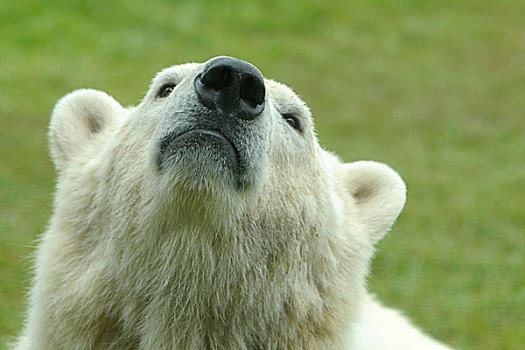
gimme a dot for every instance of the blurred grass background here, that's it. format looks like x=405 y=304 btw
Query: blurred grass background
x=435 y=89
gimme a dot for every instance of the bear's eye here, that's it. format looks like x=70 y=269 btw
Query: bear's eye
x=292 y=120
x=165 y=90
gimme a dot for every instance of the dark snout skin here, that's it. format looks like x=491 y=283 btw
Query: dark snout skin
x=231 y=87
x=221 y=132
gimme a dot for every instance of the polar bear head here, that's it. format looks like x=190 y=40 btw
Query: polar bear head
x=220 y=133
x=222 y=165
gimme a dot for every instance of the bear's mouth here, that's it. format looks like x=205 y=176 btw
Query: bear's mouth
x=194 y=141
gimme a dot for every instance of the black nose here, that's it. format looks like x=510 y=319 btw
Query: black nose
x=231 y=86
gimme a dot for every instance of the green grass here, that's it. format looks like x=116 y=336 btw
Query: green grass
x=435 y=89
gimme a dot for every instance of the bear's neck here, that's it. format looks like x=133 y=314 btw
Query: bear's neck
x=243 y=285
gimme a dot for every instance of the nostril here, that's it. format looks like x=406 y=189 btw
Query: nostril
x=217 y=78
x=252 y=91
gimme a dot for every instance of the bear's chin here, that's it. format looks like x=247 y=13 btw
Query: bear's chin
x=202 y=158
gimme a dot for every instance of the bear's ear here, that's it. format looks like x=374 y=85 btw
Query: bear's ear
x=379 y=194
x=77 y=118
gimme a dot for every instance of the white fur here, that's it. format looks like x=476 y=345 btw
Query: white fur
x=169 y=254
x=385 y=328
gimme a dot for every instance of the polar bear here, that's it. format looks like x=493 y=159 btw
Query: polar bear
x=208 y=217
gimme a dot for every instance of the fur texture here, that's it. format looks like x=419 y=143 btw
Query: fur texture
x=153 y=246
